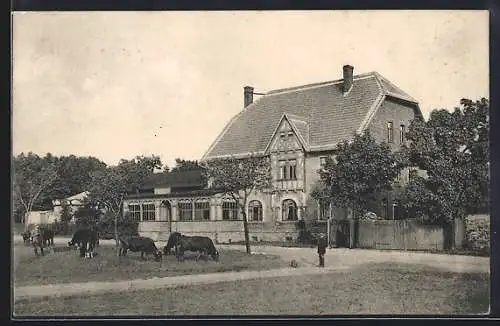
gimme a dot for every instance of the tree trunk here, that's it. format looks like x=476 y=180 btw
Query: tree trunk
x=116 y=236
x=247 y=236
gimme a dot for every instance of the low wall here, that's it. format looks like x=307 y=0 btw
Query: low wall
x=399 y=234
x=221 y=231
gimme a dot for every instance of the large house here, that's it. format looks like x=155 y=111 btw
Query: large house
x=298 y=128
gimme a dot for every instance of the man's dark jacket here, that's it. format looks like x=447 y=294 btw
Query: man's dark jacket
x=322 y=246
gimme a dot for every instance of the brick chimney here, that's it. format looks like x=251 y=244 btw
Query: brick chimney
x=248 y=95
x=347 y=75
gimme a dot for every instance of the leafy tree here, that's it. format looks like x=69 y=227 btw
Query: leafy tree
x=452 y=147
x=32 y=176
x=238 y=178
x=186 y=165
x=361 y=170
x=109 y=186
x=135 y=171
x=75 y=175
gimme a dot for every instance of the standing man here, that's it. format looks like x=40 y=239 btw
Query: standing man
x=322 y=250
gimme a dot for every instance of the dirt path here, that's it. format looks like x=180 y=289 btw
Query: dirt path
x=93 y=288
x=353 y=257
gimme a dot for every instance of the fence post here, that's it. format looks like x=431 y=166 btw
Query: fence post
x=328 y=232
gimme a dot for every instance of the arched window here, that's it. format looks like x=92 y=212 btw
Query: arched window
x=185 y=210
x=255 y=210
x=289 y=210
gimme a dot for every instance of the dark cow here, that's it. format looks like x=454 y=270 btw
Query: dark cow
x=172 y=243
x=48 y=236
x=87 y=240
x=143 y=245
x=202 y=245
x=26 y=237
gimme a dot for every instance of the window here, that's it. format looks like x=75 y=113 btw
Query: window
x=283 y=170
x=185 y=211
x=384 y=211
x=292 y=165
x=390 y=132
x=402 y=134
x=202 y=211
x=255 y=210
x=322 y=161
x=135 y=211
x=396 y=211
x=324 y=210
x=229 y=210
x=148 y=212
x=288 y=170
x=289 y=210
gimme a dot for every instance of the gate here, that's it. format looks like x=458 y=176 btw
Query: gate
x=341 y=233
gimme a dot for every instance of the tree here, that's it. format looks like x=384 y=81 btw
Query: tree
x=361 y=170
x=135 y=171
x=107 y=190
x=238 y=178
x=452 y=147
x=74 y=175
x=109 y=186
x=186 y=165
x=31 y=178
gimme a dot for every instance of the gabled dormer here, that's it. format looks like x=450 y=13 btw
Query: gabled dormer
x=286 y=149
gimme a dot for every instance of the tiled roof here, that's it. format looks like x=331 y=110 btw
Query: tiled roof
x=175 y=179
x=320 y=112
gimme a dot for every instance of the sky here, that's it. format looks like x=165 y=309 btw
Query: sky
x=119 y=84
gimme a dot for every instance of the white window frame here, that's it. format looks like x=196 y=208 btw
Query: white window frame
x=200 y=208
x=231 y=209
x=135 y=215
x=260 y=214
x=182 y=211
x=148 y=214
x=390 y=132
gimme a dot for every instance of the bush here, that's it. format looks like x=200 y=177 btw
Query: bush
x=477 y=231
x=126 y=226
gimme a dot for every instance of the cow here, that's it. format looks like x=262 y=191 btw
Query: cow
x=37 y=240
x=202 y=245
x=87 y=240
x=48 y=236
x=26 y=237
x=143 y=245
x=171 y=243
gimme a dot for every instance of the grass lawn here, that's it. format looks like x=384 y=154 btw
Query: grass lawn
x=67 y=266
x=369 y=289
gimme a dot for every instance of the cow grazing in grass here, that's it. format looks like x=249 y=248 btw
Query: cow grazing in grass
x=171 y=243
x=37 y=240
x=86 y=239
x=202 y=245
x=26 y=237
x=143 y=245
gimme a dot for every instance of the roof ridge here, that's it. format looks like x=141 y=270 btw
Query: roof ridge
x=305 y=86
x=382 y=79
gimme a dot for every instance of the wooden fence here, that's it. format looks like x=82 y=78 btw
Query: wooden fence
x=399 y=234
x=393 y=234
